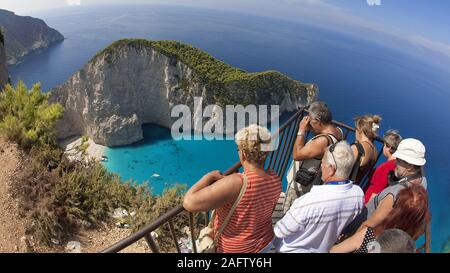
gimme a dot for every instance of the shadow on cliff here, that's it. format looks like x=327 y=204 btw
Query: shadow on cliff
x=153 y=134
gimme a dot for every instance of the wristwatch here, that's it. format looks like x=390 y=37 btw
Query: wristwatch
x=300 y=134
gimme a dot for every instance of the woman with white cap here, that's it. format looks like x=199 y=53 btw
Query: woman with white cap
x=410 y=159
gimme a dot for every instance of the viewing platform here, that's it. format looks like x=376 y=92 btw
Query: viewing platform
x=278 y=160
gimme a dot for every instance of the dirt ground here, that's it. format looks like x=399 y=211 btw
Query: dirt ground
x=12 y=226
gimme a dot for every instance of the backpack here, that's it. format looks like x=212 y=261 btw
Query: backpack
x=309 y=171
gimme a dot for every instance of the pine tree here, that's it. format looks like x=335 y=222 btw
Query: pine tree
x=26 y=116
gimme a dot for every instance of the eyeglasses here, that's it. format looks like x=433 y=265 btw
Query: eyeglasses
x=390 y=148
x=331 y=149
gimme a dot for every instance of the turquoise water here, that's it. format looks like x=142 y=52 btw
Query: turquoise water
x=355 y=77
x=163 y=162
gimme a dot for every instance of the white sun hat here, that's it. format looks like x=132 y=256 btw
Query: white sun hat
x=412 y=151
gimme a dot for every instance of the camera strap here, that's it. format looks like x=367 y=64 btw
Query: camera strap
x=410 y=177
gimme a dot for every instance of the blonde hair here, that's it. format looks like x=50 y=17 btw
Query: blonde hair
x=250 y=141
x=368 y=124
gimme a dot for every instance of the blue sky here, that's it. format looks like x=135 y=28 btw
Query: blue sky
x=420 y=27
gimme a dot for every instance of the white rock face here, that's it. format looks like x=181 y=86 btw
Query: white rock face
x=114 y=94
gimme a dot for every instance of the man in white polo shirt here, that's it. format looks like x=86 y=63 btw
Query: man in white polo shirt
x=316 y=219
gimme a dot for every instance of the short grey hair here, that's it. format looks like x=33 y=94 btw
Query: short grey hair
x=345 y=159
x=319 y=110
x=395 y=241
x=392 y=138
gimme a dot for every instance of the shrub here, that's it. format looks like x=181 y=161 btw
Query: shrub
x=149 y=212
x=58 y=201
x=26 y=117
x=58 y=197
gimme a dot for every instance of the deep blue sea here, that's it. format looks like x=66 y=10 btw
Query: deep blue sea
x=355 y=77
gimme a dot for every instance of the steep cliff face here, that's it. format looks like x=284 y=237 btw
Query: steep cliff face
x=134 y=82
x=3 y=72
x=24 y=34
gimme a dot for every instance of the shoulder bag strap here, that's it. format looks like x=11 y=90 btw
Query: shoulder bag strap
x=230 y=213
x=325 y=135
x=329 y=139
x=357 y=164
x=342 y=133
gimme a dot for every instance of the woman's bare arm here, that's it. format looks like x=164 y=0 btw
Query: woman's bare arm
x=384 y=208
x=205 y=196
x=350 y=244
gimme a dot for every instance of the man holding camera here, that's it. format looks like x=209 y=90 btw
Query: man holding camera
x=305 y=170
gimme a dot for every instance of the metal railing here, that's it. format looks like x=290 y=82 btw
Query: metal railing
x=278 y=161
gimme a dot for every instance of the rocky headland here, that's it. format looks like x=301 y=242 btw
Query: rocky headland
x=24 y=34
x=134 y=82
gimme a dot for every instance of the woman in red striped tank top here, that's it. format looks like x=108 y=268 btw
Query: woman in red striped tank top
x=250 y=226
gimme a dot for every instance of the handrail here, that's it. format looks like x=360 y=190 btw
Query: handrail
x=277 y=160
x=145 y=231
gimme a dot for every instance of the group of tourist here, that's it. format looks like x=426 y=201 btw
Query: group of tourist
x=325 y=208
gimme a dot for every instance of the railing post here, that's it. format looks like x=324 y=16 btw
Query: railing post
x=347 y=131
x=428 y=237
x=274 y=162
x=191 y=226
x=206 y=218
x=151 y=243
x=144 y=231
x=292 y=140
x=174 y=235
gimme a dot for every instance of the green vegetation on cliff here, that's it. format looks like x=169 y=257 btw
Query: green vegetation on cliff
x=58 y=197
x=209 y=68
x=216 y=75
x=26 y=117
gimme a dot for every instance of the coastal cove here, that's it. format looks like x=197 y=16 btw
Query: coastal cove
x=164 y=162
x=354 y=76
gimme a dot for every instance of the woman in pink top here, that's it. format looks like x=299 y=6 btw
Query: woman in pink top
x=379 y=180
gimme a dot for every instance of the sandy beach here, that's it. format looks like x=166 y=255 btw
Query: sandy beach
x=71 y=146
